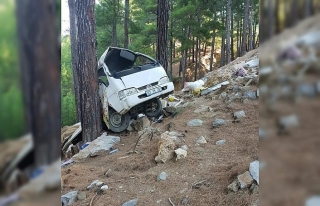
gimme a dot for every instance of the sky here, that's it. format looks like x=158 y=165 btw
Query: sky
x=65 y=20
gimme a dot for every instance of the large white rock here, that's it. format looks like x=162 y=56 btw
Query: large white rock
x=69 y=198
x=313 y=201
x=254 y=170
x=252 y=63
x=181 y=153
x=97 y=147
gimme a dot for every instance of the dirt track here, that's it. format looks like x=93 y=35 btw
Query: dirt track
x=135 y=176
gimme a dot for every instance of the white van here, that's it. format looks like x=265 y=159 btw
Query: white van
x=130 y=83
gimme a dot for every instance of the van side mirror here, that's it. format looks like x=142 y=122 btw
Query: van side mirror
x=104 y=80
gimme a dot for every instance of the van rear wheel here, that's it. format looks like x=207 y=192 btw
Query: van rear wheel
x=154 y=108
x=118 y=122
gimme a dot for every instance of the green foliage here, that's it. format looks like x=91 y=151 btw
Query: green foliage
x=11 y=101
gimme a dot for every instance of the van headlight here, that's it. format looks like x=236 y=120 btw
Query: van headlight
x=164 y=80
x=127 y=92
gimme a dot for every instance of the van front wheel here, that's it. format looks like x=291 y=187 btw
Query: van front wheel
x=118 y=122
x=154 y=108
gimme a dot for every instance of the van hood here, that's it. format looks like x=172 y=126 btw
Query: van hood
x=144 y=77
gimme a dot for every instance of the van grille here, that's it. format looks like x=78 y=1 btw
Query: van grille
x=145 y=87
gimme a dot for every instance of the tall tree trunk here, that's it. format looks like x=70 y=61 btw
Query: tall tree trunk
x=228 y=46
x=174 y=49
x=238 y=39
x=307 y=8
x=232 y=36
x=254 y=35
x=171 y=40
x=39 y=59
x=250 y=42
x=197 y=58
x=73 y=37
x=126 y=21
x=193 y=48
x=294 y=12
x=244 y=30
x=184 y=58
x=114 y=24
x=162 y=32
x=213 y=41
x=87 y=70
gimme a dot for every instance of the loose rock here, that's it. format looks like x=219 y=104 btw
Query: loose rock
x=81 y=196
x=141 y=123
x=195 y=123
x=221 y=142
x=245 y=180
x=104 y=187
x=181 y=153
x=97 y=147
x=98 y=184
x=202 y=140
x=170 y=110
x=250 y=95
x=171 y=126
x=307 y=90
x=234 y=186
x=184 y=147
x=130 y=203
x=288 y=122
x=165 y=149
x=162 y=176
x=254 y=170
x=69 y=198
x=217 y=122
x=313 y=201
x=92 y=185
x=203 y=109
x=239 y=114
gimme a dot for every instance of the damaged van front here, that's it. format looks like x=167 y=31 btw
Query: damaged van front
x=130 y=83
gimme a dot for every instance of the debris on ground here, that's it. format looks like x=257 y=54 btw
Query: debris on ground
x=166 y=148
x=131 y=203
x=195 y=123
x=245 y=180
x=221 y=142
x=239 y=115
x=218 y=122
x=180 y=153
x=69 y=198
x=201 y=140
x=97 y=147
x=254 y=170
x=286 y=123
x=162 y=176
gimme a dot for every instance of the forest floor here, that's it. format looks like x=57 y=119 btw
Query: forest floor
x=135 y=175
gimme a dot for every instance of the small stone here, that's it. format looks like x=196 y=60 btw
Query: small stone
x=171 y=126
x=250 y=95
x=92 y=185
x=162 y=176
x=307 y=90
x=202 y=140
x=104 y=188
x=185 y=201
x=239 y=114
x=69 y=198
x=203 y=109
x=221 y=142
x=181 y=153
x=245 y=101
x=287 y=122
x=184 y=147
x=234 y=186
x=237 y=95
x=235 y=88
x=195 y=123
x=254 y=189
x=81 y=196
x=98 y=184
x=262 y=133
x=254 y=170
x=130 y=203
x=140 y=123
x=245 y=180
x=223 y=95
x=217 y=122
x=257 y=92
x=313 y=201
x=170 y=110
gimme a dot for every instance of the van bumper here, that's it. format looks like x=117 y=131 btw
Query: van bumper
x=133 y=100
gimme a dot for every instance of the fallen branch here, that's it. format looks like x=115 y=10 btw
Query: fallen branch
x=92 y=199
x=171 y=202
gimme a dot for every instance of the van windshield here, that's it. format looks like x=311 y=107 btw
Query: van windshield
x=124 y=62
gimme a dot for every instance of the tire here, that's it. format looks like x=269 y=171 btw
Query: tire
x=156 y=109
x=118 y=122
